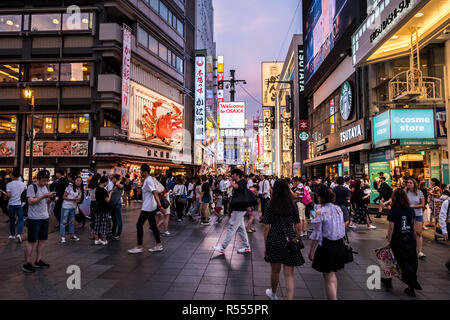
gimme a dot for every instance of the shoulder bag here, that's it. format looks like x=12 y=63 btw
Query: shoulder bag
x=348 y=251
x=183 y=199
x=293 y=245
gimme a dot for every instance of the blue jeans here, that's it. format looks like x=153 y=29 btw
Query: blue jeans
x=12 y=212
x=195 y=207
x=117 y=223
x=67 y=217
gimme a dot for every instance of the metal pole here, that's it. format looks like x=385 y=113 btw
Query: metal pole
x=447 y=91
x=30 y=160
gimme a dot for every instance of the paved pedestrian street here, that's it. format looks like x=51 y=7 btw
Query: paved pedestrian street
x=189 y=269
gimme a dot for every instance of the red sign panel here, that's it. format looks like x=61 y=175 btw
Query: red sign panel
x=220 y=76
x=303 y=125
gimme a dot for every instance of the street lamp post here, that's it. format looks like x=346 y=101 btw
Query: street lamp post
x=29 y=95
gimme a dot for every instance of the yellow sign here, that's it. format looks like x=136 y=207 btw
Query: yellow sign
x=271 y=71
x=220 y=68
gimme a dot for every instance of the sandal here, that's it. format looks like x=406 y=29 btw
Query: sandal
x=253 y=229
x=249 y=231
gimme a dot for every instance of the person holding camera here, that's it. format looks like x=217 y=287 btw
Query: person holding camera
x=72 y=196
x=38 y=198
x=280 y=221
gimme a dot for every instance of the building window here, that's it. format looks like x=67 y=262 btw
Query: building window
x=154 y=4
x=162 y=52
x=10 y=73
x=75 y=71
x=44 y=72
x=180 y=65
x=163 y=11
x=71 y=22
x=8 y=124
x=180 y=27
x=142 y=37
x=46 y=22
x=10 y=23
x=73 y=123
x=153 y=44
x=43 y=123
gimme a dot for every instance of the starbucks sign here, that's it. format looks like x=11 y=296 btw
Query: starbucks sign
x=304 y=136
x=346 y=100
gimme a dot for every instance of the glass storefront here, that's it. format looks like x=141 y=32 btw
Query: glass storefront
x=8 y=124
x=63 y=123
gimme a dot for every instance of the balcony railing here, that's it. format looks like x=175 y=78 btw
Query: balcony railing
x=411 y=85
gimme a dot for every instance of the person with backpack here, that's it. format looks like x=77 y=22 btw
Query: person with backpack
x=236 y=222
x=14 y=192
x=37 y=222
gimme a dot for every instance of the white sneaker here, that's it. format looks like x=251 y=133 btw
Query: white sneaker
x=96 y=242
x=74 y=238
x=271 y=295
x=220 y=249
x=136 y=250
x=155 y=249
x=165 y=234
x=104 y=243
x=11 y=237
x=303 y=234
x=421 y=255
x=19 y=238
x=371 y=227
x=244 y=250
x=353 y=226
x=63 y=240
x=117 y=238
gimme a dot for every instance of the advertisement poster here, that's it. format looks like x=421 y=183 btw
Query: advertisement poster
x=374 y=172
x=441 y=122
x=126 y=77
x=155 y=119
x=200 y=97
x=232 y=115
x=7 y=148
x=58 y=149
x=271 y=71
x=445 y=173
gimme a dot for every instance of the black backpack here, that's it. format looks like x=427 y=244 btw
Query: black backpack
x=24 y=199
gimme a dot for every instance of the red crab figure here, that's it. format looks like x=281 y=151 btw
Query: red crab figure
x=164 y=126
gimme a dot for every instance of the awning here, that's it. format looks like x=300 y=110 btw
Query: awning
x=335 y=156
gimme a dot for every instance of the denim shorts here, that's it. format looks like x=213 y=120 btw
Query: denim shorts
x=37 y=229
x=206 y=199
x=419 y=218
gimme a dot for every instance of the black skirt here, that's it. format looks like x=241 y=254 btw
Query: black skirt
x=330 y=256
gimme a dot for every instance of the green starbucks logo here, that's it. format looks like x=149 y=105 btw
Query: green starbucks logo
x=346 y=100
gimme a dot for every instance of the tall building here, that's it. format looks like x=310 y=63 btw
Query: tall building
x=105 y=98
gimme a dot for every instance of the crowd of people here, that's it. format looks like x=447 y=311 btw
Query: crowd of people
x=288 y=207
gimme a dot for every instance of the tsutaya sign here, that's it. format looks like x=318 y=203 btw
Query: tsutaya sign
x=380 y=21
x=351 y=133
x=301 y=69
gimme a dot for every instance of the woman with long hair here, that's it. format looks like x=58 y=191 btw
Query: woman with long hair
x=92 y=186
x=417 y=202
x=359 y=201
x=178 y=192
x=281 y=220
x=72 y=196
x=327 y=248
x=400 y=238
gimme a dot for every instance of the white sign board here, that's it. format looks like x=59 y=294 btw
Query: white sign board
x=126 y=77
x=232 y=115
x=200 y=103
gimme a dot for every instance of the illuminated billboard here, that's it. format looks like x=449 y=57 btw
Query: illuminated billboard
x=271 y=71
x=232 y=115
x=326 y=21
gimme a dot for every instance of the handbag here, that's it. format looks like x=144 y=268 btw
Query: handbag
x=240 y=201
x=85 y=206
x=183 y=199
x=293 y=245
x=164 y=202
x=348 y=251
x=388 y=263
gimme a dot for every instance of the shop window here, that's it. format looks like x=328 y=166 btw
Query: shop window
x=46 y=22
x=8 y=124
x=162 y=52
x=10 y=23
x=110 y=124
x=73 y=123
x=84 y=22
x=44 y=72
x=10 y=73
x=75 y=71
x=43 y=123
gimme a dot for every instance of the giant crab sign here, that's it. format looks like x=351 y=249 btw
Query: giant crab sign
x=166 y=127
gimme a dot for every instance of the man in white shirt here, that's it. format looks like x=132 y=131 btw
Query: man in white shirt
x=150 y=206
x=14 y=191
x=250 y=181
x=264 y=194
x=224 y=186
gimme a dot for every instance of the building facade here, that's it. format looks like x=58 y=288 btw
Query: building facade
x=405 y=45
x=335 y=91
x=105 y=99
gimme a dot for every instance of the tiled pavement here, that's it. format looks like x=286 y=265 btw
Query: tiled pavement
x=189 y=269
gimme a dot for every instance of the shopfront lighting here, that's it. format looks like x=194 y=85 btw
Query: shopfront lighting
x=84 y=68
x=74 y=126
x=48 y=120
x=28 y=93
x=9 y=23
x=85 y=20
x=13 y=120
x=55 y=21
x=82 y=119
x=50 y=69
x=418 y=15
x=48 y=126
x=394 y=37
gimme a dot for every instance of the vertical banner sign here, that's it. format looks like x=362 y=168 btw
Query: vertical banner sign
x=286 y=131
x=220 y=78
x=260 y=140
x=199 y=124
x=220 y=151
x=267 y=131
x=126 y=62
x=271 y=71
